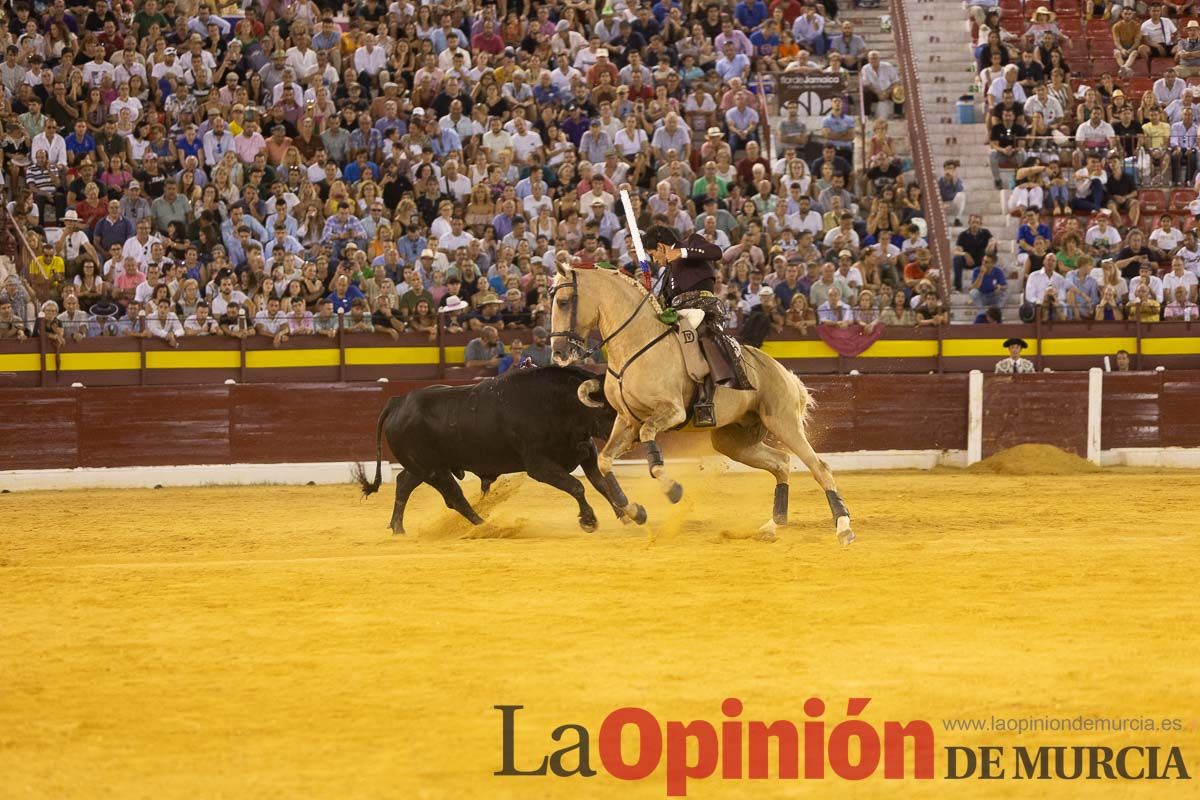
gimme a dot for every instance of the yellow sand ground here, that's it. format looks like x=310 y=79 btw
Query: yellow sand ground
x=280 y=643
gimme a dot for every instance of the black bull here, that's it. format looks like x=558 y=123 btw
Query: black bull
x=529 y=420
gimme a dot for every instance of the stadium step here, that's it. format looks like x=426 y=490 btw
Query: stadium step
x=946 y=70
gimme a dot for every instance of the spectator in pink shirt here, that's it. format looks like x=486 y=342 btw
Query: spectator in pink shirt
x=126 y=282
x=249 y=144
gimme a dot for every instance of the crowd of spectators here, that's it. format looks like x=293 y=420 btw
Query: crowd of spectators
x=283 y=169
x=1081 y=150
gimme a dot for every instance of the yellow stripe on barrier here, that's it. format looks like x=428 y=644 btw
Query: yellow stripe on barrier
x=902 y=348
x=198 y=359
x=371 y=356
x=96 y=362
x=1088 y=347
x=1171 y=346
x=20 y=362
x=984 y=348
x=798 y=350
x=456 y=355
x=265 y=359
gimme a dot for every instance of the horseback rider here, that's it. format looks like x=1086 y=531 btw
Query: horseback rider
x=692 y=268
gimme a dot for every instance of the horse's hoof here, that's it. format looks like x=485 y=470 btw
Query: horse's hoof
x=638 y=515
x=846 y=537
x=780 y=519
x=766 y=533
x=475 y=519
x=588 y=525
x=675 y=493
x=397 y=531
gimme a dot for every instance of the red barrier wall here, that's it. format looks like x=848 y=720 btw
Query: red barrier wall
x=113 y=426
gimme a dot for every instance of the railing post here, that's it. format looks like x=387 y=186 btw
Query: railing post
x=974 y=417
x=341 y=345
x=42 y=350
x=141 y=361
x=1037 y=337
x=1137 y=332
x=1095 y=395
x=938 y=328
x=441 y=346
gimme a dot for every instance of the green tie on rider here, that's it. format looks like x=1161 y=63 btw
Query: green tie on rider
x=692 y=268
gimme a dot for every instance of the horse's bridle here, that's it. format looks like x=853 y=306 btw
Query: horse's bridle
x=579 y=348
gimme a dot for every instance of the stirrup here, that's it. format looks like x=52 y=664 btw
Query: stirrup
x=704 y=416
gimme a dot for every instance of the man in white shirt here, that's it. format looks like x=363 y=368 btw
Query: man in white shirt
x=1158 y=34
x=454 y=182
x=1037 y=282
x=804 y=218
x=878 y=80
x=302 y=58
x=1180 y=276
x=1095 y=134
x=1165 y=239
x=1146 y=276
x=369 y=58
x=164 y=324
x=50 y=141
x=1169 y=87
x=1102 y=236
x=496 y=139
x=524 y=140
x=1007 y=80
x=1050 y=107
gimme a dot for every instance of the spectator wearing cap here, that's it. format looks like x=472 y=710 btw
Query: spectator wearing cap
x=134 y=205
x=538 y=351
x=602 y=66
x=1014 y=364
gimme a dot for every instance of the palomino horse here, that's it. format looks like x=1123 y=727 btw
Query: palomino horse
x=649 y=387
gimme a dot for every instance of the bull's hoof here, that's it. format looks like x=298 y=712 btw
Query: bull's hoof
x=588 y=524
x=397 y=530
x=638 y=514
x=475 y=519
x=674 y=492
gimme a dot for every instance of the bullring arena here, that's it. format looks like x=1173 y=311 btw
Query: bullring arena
x=279 y=641
x=261 y=259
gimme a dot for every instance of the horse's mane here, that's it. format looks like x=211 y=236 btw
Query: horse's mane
x=635 y=283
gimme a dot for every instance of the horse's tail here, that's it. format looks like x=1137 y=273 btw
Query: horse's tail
x=805 y=402
x=360 y=474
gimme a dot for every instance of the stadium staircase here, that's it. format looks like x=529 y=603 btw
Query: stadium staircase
x=943 y=55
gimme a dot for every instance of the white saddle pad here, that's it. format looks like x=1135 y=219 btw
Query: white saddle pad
x=689 y=343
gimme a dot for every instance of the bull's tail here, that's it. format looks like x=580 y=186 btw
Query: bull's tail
x=360 y=474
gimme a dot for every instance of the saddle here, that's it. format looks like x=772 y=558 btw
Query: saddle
x=700 y=409
x=689 y=343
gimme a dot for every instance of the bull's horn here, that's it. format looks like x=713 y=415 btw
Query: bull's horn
x=585 y=393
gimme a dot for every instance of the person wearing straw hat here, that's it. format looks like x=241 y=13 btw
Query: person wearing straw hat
x=1187 y=55
x=1014 y=364
x=1041 y=21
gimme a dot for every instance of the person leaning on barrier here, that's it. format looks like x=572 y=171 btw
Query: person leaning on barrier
x=11 y=325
